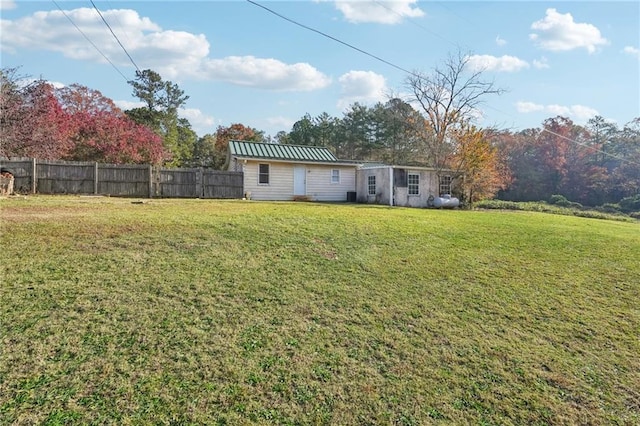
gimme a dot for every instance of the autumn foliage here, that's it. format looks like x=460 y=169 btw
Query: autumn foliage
x=483 y=170
x=72 y=123
x=593 y=164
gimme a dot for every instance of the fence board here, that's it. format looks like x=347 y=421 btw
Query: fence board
x=222 y=184
x=179 y=183
x=125 y=180
x=65 y=178
x=128 y=180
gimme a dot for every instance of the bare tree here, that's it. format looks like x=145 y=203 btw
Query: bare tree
x=449 y=98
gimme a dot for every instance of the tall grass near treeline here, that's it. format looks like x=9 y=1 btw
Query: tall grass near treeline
x=240 y=312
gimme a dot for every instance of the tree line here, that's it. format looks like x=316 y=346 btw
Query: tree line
x=77 y=123
x=593 y=164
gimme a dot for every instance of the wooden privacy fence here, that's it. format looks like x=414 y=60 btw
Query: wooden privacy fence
x=125 y=180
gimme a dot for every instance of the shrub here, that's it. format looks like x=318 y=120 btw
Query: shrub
x=559 y=200
x=498 y=205
x=609 y=208
x=630 y=204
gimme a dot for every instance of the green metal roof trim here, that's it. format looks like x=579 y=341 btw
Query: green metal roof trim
x=281 y=152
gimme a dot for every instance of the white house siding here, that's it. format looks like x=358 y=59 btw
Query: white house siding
x=280 y=187
x=320 y=188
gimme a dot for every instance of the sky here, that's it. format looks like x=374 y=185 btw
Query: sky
x=241 y=63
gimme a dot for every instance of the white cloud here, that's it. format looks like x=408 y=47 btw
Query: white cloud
x=265 y=73
x=380 y=12
x=633 y=51
x=528 y=107
x=283 y=123
x=541 y=63
x=173 y=54
x=7 y=4
x=500 y=41
x=200 y=122
x=126 y=105
x=578 y=113
x=559 y=32
x=361 y=86
x=24 y=82
x=503 y=63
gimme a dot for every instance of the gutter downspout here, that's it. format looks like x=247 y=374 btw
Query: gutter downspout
x=391 y=186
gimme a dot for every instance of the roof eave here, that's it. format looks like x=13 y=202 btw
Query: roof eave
x=281 y=160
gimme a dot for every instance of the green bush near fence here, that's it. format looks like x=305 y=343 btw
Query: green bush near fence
x=117 y=311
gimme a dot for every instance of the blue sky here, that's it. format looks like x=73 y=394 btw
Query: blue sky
x=241 y=64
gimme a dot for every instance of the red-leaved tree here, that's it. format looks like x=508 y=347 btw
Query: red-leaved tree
x=33 y=122
x=102 y=132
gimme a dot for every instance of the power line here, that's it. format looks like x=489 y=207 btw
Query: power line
x=625 y=160
x=333 y=38
x=409 y=72
x=122 y=28
x=114 y=35
x=354 y=47
x=89 y=40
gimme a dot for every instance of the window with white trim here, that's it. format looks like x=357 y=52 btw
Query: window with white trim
x=263 y=174
x=413 y=183
x=335 y=176
x=371 y=185
x=445 y=185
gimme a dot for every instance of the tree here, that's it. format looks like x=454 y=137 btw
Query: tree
x=624 y=167
x=449 y=98
x=33 y=121
x=484 y=171
x=302 y=132
x=162 y=100
x=102 y=132
x=186 y=141
x=401 y=132
x=356 y=132
x=236 y=131
x=204 y=152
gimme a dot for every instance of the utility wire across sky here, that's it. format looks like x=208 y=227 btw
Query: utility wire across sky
x=309 y=29
x=89 y=40
x=306 y=27
x=114 y=35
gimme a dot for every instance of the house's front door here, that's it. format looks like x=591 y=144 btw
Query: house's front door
x=299 y=180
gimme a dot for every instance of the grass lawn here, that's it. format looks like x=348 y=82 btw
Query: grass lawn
x=239 y=312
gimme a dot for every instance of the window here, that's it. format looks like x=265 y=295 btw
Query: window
x=413 y=183
x=445 y=185
x=335 y=176
x=263 y=174
x=371 y=183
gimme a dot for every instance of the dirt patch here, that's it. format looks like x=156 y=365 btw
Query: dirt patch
x=17 y=214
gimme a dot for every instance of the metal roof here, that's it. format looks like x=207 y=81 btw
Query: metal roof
x=274 y=151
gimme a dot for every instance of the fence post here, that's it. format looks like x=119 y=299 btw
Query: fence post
x=95 y=179
x=150 y=181
x=200 y=183
x=34 y=177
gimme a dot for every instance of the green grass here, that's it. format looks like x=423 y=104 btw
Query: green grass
x=232 y=312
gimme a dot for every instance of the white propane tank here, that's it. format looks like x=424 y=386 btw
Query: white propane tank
x=446 y=201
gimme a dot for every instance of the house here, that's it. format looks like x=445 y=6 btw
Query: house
x=286 y=172
x=401 y=185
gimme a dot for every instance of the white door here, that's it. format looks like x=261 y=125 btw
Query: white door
x=299 y=180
